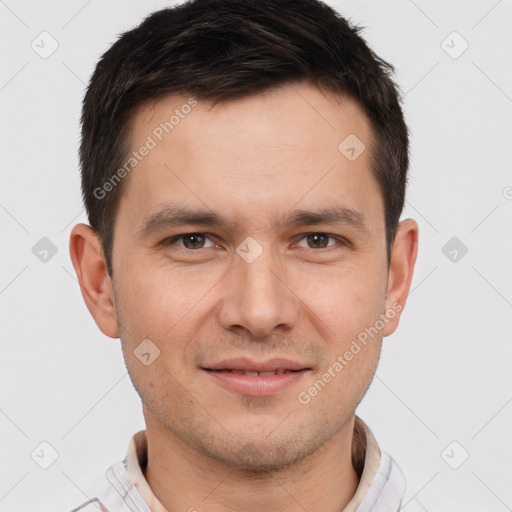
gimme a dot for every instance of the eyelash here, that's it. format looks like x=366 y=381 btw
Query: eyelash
x=174 y=239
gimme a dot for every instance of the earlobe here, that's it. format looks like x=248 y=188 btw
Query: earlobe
x=95 y=284
x=401 y=269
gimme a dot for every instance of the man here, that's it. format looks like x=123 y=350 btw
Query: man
x=244 y=166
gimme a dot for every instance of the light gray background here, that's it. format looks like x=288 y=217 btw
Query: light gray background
x=444 y=376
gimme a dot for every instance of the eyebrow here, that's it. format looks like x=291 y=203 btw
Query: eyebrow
x=175 y=216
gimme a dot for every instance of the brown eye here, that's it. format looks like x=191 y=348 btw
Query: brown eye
x=193 y=241
x=190 y=241
x=318 y=241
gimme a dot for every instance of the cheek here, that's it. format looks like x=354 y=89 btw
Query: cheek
x=168 y=307
x=160 y=301
x=346 y=300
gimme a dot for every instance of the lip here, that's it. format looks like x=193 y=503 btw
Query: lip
x=248 y=365
x=256 y=386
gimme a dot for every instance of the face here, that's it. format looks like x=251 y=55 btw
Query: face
x=246 y=233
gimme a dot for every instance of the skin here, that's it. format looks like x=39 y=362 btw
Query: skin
x=252 y=160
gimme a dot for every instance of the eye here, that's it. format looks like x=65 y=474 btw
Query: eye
x=196 y=241
x=190 y=241
x=318 y=240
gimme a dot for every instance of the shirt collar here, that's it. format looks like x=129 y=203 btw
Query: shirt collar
x=136 y=461
x=364 y=446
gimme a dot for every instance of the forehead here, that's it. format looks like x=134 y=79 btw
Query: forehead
x=253 y=156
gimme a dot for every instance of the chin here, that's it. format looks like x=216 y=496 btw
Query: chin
x=257 y=459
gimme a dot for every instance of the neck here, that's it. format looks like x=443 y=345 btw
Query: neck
x=184 y=479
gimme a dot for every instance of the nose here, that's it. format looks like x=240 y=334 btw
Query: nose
x=258 y=297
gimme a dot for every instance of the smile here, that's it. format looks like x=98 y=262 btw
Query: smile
x=256 y=374
x=253 y=383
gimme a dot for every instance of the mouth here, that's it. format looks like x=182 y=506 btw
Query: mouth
x=248 y=373
x=246 y=377
x=276 y=365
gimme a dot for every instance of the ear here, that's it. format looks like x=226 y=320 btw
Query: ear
x=95 y=284
x=401 y=267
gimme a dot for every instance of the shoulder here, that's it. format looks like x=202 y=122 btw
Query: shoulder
x=388 y=491
x=96 y=487
x=111 y=491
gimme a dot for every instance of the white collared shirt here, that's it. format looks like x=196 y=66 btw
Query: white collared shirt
x=123 y=488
